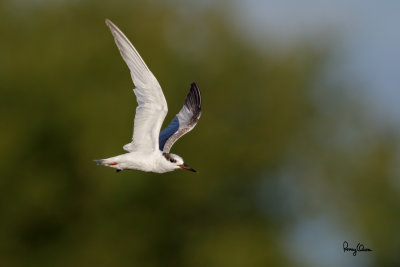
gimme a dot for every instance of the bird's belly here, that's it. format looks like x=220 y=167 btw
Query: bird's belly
x=139 y=161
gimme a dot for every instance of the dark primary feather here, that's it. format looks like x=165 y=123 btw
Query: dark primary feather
x=184 y=121
x=193 y=100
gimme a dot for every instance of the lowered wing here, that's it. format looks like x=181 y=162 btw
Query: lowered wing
x=184 y=121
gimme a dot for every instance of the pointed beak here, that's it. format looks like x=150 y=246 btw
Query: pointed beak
x=186 y=167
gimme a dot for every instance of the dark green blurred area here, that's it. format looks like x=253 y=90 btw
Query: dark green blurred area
x=277 y=145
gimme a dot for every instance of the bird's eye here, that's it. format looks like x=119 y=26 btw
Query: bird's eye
x=172 y=160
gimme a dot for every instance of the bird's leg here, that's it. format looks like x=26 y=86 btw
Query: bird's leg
x=113 y=164
x=118 y=170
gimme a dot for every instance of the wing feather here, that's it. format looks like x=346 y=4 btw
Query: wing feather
x=184 y=121
x=152 y=106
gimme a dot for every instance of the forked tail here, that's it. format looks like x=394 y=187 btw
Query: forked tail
x=99 y=161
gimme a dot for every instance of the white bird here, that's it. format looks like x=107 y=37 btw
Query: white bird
x=150 y=150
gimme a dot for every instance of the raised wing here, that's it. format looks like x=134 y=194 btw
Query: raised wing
x=152 y=107
x=184 y=121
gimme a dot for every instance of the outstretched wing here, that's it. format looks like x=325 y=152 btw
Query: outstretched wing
x=152 y=106
x=184 y=121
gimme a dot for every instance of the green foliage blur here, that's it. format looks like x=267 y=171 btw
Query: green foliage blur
x=277 y=145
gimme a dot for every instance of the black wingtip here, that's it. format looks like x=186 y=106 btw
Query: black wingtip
x=193 y=99
x=194 y=86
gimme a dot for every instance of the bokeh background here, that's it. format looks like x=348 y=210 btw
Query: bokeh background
x=297 y=148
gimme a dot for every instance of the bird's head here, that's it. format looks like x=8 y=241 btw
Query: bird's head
x=176 y=162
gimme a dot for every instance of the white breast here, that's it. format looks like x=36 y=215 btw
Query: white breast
x=145 y=161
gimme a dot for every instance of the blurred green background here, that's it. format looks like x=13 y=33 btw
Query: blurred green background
x=289 y=164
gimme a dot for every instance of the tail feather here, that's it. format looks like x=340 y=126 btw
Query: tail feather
x=99 y=161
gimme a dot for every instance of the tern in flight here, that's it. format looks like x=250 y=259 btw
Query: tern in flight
x=149 y=150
